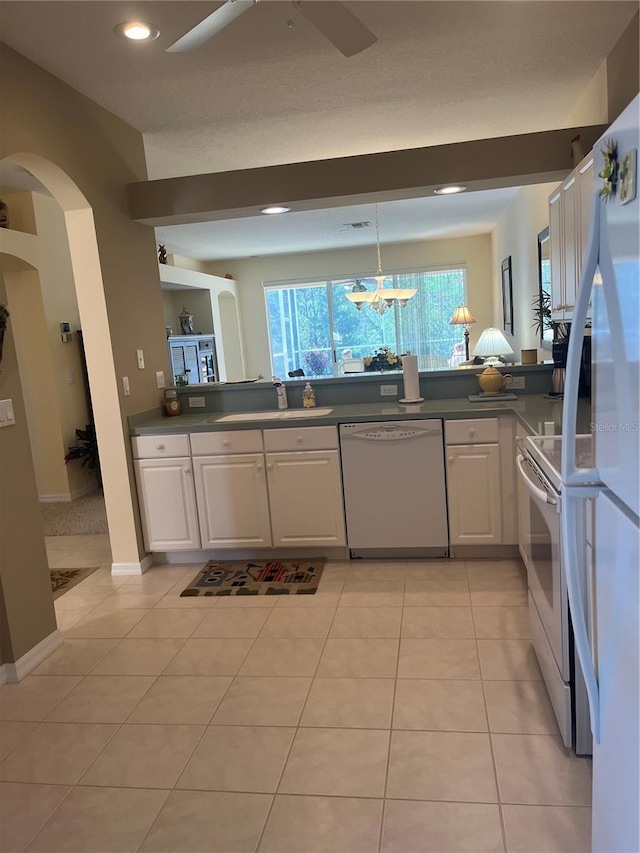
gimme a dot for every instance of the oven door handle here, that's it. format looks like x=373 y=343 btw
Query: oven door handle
x=536 y=491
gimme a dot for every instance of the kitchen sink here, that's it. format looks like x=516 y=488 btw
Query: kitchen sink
x=283 y=415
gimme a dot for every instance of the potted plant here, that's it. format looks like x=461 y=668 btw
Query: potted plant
x=86 y=450
x=541 y=313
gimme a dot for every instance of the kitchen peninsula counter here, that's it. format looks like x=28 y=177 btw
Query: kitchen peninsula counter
x=539 y=414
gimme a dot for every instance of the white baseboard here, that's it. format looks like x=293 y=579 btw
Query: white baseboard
x=68 y=497
x=27 y=663
x=132 y=568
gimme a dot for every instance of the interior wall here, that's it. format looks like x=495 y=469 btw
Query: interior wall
x=250 y=274
x=184 y=285
x=623 y=69
x=197 y=302
x=101 y=154
x=29 y=324
x=516 y=235
x=51 y=371
x=27 y=616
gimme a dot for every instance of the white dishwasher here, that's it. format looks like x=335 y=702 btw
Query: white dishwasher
x=394 y=488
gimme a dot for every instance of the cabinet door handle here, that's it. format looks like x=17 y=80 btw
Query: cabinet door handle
x=159 y=446
x=226 y=443
x=187 y=470
x=269 y=466
x=472 y=431
x=259 y=466
x=451 y=459
x=299 y=439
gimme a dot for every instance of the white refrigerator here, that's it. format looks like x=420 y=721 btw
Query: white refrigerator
x=609 y=647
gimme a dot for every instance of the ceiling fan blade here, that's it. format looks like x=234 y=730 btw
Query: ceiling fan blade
x=338 y=24
x=211 y=25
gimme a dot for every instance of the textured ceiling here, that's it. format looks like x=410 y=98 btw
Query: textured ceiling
x=259 y=94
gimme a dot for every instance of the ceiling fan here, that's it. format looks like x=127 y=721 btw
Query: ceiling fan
x=343 y=29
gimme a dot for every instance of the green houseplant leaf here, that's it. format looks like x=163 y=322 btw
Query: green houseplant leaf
x=86 y=450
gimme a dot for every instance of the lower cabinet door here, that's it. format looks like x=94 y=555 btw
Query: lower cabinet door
x=167 y=504
x=474 y=494
x=233 y=506
x=305 y=496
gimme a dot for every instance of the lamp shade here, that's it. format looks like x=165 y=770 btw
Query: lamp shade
x=492 y=342
x=461 y=316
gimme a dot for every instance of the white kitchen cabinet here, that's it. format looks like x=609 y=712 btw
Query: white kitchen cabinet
x=569 y=224
x=305 y=497
x=474 y=494
x=233 y=504
x=167 y=504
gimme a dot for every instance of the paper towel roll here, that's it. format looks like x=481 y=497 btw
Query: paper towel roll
x=410 y=377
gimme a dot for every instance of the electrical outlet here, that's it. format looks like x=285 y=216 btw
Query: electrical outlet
x=196 y=403
x=126 y=390
x=388 y=390
x=159 y=378
x=140 y=357
x=517 y=384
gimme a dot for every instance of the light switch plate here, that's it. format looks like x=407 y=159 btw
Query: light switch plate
x=126 y=390
x=196 y=403
x=7 y=417
x=160 y=378
x=516 y=384
x=140 y=357
x=388 y=390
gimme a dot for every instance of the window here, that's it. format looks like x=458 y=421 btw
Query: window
x=312 y=326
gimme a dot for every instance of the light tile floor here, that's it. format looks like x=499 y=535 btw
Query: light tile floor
x=399 y=709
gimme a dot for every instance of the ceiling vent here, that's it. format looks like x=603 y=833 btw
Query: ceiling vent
x=357 y=225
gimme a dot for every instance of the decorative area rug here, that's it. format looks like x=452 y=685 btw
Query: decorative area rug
x=257 y=577
x=63 y=579
x=85 y=516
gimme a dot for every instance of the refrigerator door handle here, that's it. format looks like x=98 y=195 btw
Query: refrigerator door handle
x=571 y=566
x=571 y=474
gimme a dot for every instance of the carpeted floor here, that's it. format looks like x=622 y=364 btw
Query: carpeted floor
x=84 y=516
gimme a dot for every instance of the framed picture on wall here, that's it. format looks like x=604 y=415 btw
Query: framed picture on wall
x=507 y=295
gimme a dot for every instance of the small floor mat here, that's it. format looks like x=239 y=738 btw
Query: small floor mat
x=62 y=580
x=257 y=577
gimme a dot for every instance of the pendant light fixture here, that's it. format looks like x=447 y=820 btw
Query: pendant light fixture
x=382 y=297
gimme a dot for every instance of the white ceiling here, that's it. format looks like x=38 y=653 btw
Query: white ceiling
x=259 y=94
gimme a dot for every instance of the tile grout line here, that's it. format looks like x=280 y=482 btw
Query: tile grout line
x=493 y=757
x=297 y=729
x=393 y=711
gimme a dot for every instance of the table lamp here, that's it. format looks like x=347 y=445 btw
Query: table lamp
x=462 y=317
x=491 y=344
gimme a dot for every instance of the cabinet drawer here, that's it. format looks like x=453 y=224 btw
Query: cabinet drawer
x=226 y=441
x=472 y=431
x=303 y=438
x=160 y=446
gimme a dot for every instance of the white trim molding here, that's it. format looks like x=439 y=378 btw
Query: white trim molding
x=14 y=672
x=132 y=568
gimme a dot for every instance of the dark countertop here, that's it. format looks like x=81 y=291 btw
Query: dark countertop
x=537 y=413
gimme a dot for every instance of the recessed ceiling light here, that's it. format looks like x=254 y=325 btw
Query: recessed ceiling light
x=449 y=190
x=275 y=208
x=137 y=31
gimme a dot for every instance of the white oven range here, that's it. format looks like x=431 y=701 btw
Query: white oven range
x=540 y=505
